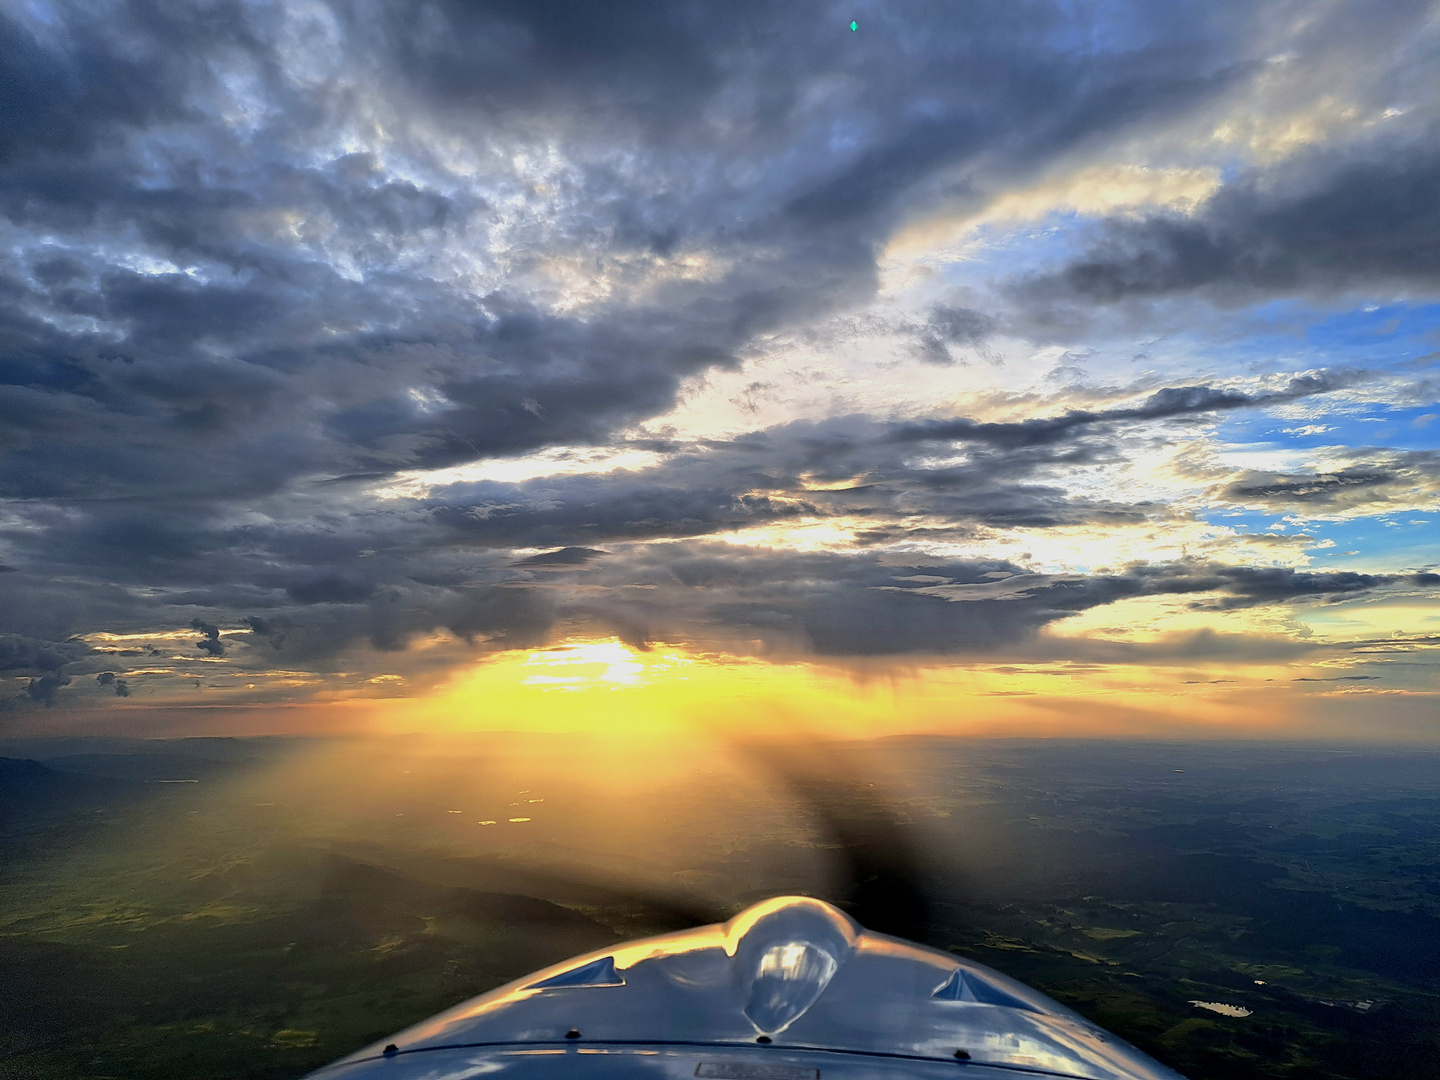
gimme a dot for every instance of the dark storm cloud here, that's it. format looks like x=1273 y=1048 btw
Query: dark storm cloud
x=773 y=481
x=481 y=614
x=598 y=509
x=939 y=82
x=286 y=288
x=1249 y=586
x=747 y=600
x=828 y=605
x=1327 y=221
x=62 y=101
x=821 y=604
x=549 y=56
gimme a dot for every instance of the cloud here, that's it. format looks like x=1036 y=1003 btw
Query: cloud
x=1249 y=586
x=1359 y=483
x=948 y=326
x=45 y=688
x=1171 y=401
x=109 y=679
x=383 y=572
x=775 y=603
x=1323 y=222
x=268 y=629
x=193 y=281
x=210 y=644
x=863 y=604
x=561 y=557
x=260 y=260
x=330 y=589
x=45 y=661
x=18 y=653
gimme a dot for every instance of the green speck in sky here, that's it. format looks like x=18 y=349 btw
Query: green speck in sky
x=854 y=25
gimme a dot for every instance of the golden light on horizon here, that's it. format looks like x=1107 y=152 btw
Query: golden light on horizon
x=604 y=685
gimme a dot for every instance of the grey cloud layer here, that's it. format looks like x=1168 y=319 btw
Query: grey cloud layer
x=258 y=257
x=849 y=606
x=379 y=572
x=197 y=279
x=769 y=603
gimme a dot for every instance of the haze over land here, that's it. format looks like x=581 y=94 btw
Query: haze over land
x=1034 y=369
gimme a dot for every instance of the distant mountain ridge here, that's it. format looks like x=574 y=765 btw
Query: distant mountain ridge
x=146 y=766
x=210 y=748
x=30 y=788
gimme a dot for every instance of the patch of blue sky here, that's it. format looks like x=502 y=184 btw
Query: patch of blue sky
x=1183 y=334
x=1019 y=248
x=1254 y=521
x=1414 y=428
x=1393 y=331
x=1290 y=334
x=1359 y=329
x=1392 y=542
x=1404 y=540
x=1374 y=424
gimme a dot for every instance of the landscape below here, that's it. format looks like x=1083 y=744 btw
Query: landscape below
x=253 y=908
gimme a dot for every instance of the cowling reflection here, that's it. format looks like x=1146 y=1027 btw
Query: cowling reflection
x=786 y=952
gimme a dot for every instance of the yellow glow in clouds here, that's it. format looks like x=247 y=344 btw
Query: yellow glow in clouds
x=606 y=686
x=579 y=667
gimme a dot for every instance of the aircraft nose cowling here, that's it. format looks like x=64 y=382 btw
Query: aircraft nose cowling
x=785 y=952
x=792 y=980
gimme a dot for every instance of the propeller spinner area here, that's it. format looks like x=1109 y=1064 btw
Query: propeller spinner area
x=789 y=989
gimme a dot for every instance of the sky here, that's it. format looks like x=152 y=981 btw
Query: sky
x=1015 y=367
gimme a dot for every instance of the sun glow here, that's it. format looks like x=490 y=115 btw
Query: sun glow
x=575 y=667
x=607 y=686
x=590 y=685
